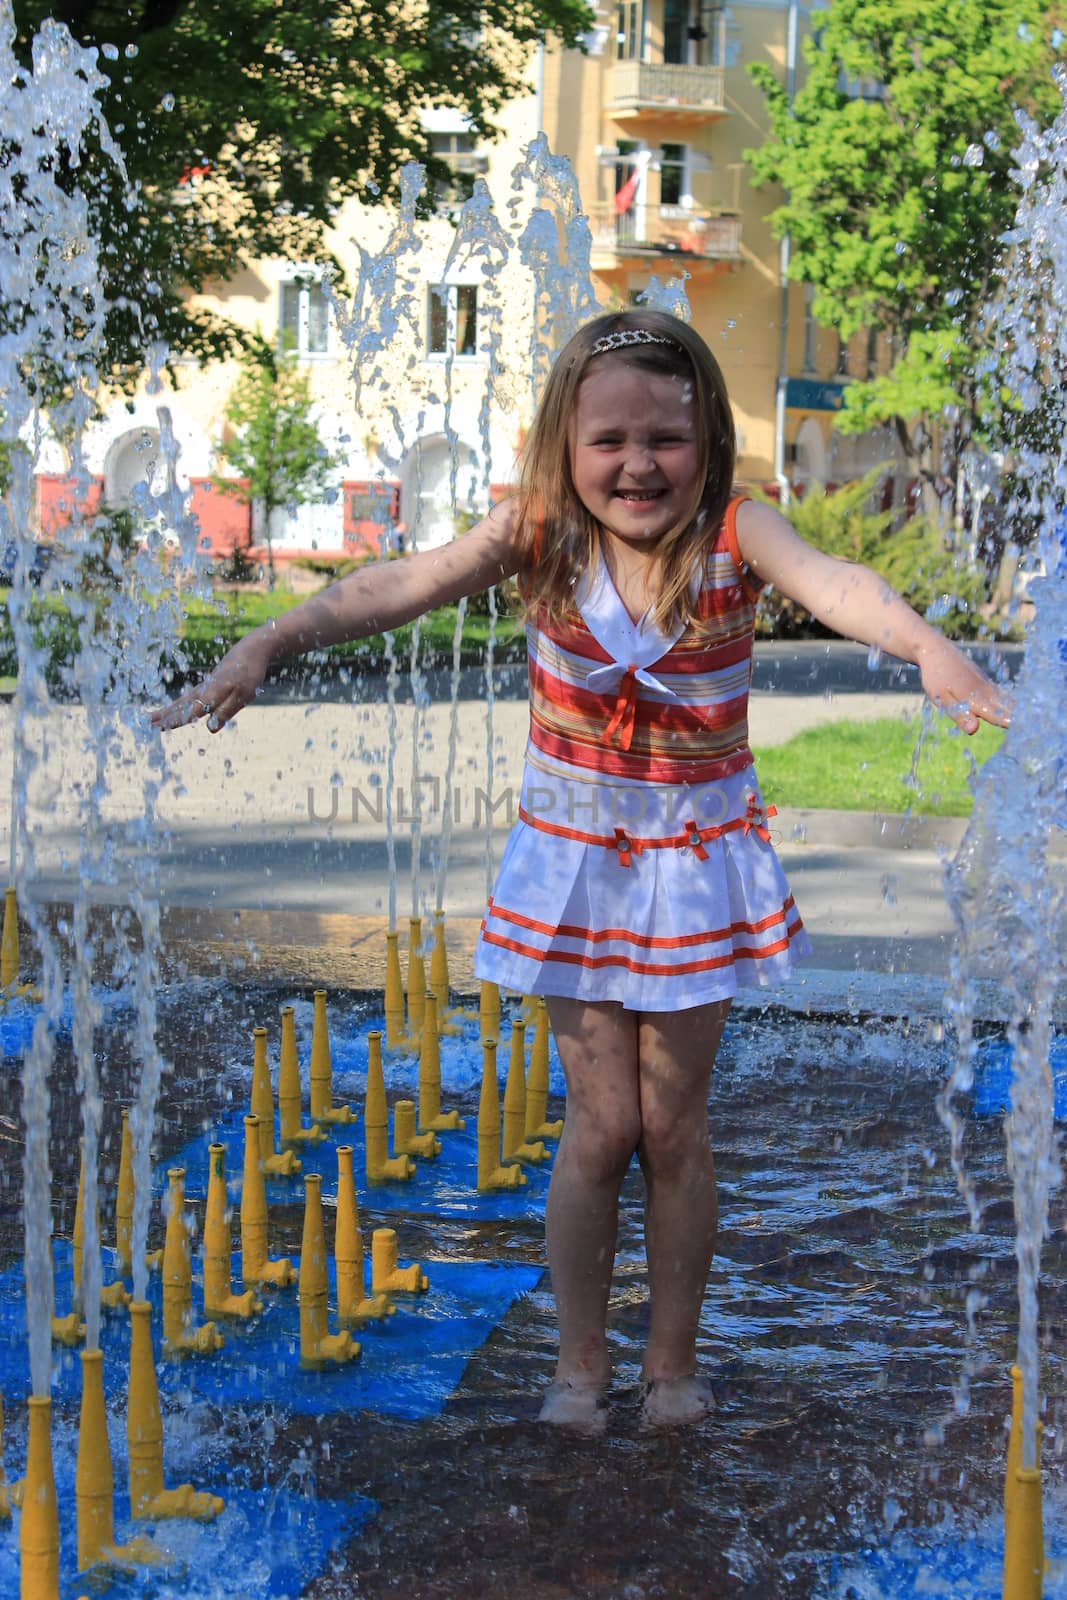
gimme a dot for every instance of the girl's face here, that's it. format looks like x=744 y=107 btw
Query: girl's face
x=635 y=458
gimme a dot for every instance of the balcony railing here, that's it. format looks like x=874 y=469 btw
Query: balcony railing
x=692 y=237
x=667 y=87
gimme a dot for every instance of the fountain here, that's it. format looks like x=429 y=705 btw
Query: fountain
x=270 y=1390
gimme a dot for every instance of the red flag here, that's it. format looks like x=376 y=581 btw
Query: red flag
x=624 y=197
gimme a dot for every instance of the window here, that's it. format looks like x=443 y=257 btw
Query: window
x=305 y=316
x=676 y=30
x=693 y=32
x=628 y=181
x=452 y=323
x=672 y=185
x=458 y=149
x=809 y=329
x=872 y=353
x=629 y=40
x=708 y=37
x=859 y=88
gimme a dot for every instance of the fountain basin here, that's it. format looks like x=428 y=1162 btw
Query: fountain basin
x=834 y=1328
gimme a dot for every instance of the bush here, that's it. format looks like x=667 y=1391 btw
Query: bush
x=331 y=568
x=936 y=581
x=53 y=631
x=102 y=572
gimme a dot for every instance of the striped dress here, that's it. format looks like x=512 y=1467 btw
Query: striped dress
x=641 y=868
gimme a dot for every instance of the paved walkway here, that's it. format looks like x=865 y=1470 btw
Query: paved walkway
x=275 y=854
x=281 y=818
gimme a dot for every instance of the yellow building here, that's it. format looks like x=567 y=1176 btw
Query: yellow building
x=655 y=121
x=425 y=364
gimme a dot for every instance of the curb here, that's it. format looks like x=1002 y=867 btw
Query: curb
x=865 y=830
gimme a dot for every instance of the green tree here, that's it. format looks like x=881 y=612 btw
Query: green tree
x=896 y=158
x=272 y=441
x=245 y=124
x=941 y=584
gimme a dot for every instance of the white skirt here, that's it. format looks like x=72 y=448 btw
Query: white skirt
x=683 y=910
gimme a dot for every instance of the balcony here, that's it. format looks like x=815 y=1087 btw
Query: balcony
x=644 y=236
x=665 y=89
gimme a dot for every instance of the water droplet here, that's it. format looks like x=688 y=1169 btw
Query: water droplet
x=973 y=156
x=130 y=52
x=954 y=297
x=900 y=247
x=110 y=52
x=167 y=102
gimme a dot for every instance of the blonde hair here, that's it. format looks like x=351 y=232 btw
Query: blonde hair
x=557 y=536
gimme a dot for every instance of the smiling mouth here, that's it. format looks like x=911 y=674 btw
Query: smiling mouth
x=639 y=496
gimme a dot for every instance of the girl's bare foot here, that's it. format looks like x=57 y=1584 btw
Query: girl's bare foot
x=581 y=1406
x=674 y=1402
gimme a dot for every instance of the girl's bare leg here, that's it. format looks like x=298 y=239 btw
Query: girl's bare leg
x=677 y=1052
x=597 y=1045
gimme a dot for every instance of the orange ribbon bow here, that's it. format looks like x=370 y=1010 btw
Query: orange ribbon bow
x=756 y=819
x=624 y=845
x=625 y=713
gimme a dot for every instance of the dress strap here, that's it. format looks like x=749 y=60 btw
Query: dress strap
x=752 y=586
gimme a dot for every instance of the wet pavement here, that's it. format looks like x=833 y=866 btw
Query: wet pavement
x=835 y=1330
x=286 y=810
x=858 y=1406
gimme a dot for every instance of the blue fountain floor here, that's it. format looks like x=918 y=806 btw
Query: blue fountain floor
x=275 y=1542
x=410 y=1363
x=992 y=1077
x=443 y=1187
x=943 y=1567
x=269 y=1543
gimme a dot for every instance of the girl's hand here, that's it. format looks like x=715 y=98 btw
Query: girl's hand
x=235 y=682
x=957 y=686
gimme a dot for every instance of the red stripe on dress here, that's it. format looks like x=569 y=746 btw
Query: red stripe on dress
x=648 y=969
x=592 y=706
x=646 y=941
x=642 y=769
x=685 y=740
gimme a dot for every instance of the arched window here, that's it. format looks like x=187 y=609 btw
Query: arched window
x=132 y=470
x=426 y=503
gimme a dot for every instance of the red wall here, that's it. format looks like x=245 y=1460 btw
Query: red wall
x=362 y=532
x=225 y=521
x=57 y=504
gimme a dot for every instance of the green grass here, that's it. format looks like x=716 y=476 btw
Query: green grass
x=210 y=628
x=865 y=766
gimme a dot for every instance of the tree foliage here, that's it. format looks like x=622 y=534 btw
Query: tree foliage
x=943 y=585
x=896 y=159
x=245 y=125
x=272 y=441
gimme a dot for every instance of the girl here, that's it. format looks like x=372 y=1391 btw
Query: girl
x=639 y=887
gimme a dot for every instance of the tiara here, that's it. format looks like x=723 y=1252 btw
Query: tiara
x=625 y=336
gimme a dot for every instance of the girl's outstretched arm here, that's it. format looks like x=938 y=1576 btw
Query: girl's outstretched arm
x=373 y=600
x=859 y=604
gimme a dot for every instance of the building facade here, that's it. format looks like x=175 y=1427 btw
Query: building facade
x=425 y=361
